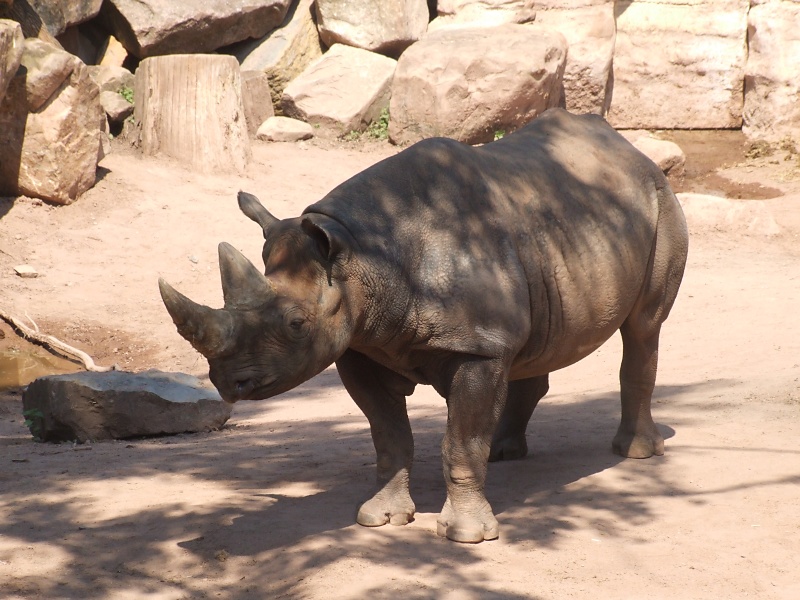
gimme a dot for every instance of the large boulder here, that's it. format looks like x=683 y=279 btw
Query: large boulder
x=58 y=15
x=344 y=90
x=51 y=125
x=772 y=81
x=470 y=83
x=669 y=157
x=11 y=44
x=284 y=53
x=484 y=12
x=679 y=64
x=117 y=405
x=155 y=27
x=383 y=27
x=706 y=214
x=590 y=29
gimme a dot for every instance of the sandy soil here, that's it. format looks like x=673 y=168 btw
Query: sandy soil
x=265 y=507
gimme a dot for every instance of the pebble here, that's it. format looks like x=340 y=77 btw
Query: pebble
x=26 y=271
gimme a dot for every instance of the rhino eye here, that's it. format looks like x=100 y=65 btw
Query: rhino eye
x=297 y=324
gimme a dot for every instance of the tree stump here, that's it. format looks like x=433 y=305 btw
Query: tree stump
x=189 y=107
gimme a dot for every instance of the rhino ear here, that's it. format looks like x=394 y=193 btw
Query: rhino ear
x=210 y=331
x=252 y=207
x=243 y=286
x=330 y=236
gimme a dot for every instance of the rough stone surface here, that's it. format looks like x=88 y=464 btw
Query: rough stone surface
x=484 y=12
x=117 y=108
x=772 y=80
x=721 y=215
x=256 y=99
x=667 y=155
x=342 y=91
x=117 y=405
x=155 y=27
x=383 y=27
x=11 y=44
x=58 y=15
x=50 y=127
x=112 y=79
x=679 y=64
x=590 y=31
x=284 y=129
x=470 y=83
x=284 y=53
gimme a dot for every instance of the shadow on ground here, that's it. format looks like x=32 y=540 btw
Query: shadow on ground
x=281 y=535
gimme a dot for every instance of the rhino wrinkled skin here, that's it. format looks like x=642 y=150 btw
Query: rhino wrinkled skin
x=475 y=270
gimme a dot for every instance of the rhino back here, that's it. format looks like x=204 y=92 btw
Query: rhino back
x=533 y=247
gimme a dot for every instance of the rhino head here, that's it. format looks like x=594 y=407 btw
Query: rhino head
x=277 y=330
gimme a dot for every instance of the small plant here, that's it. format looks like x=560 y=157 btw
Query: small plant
x=379 y=128
x=352 y=136
x=499 y=134
x=34 y=420
x=127 y=93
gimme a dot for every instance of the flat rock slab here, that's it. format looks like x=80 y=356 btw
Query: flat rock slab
x=116 y=405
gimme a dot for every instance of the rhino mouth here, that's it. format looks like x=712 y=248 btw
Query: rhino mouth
x=251 y=389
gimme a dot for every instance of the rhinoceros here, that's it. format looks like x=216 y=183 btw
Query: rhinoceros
x=477 y=270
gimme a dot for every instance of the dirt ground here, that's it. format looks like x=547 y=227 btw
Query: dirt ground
x=265 y=507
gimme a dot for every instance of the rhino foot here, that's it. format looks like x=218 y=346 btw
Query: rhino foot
x=467 y=528
x=380 y=510
x=638 y=445
x=508 y=448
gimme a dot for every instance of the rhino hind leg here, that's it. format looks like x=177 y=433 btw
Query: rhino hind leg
x=638 y=436
x=509 y=441
x=381 y=396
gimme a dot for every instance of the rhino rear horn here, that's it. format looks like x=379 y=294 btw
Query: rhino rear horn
x=243 y=286
x=210 y=331
x=252 y=207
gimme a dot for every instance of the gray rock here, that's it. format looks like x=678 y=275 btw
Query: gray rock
x=284 y=129
x=667 y=155
x=58 y=15
x=110 y=78
x=116 y=405
x=156 y=27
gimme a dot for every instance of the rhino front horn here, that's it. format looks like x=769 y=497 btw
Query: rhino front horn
x=210 y=331
x=243 y=286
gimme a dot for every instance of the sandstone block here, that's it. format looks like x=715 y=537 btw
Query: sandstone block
x=772 y=79
x=11 y=44
x=112 y=53
x=590 y=31
x=284 y=53
x=342 y=91
x=384 y=27
x=284 y=129
x=706 y=213
x=679 y=64
x=111 y=78
x=117 y=405
x=469 y=83
x=256 y=99
x=50 y=127
x=155 y=27
x=484 y=13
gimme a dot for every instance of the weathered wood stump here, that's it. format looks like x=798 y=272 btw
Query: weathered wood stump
x=189 y=107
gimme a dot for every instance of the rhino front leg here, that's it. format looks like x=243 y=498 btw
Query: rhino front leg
x=475 y=398
x=509 y=441
x=381 y=395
